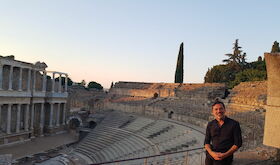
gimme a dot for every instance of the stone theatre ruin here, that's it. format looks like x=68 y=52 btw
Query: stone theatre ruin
x=32 y=100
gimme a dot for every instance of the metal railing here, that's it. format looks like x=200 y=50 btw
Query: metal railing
x=187 y=157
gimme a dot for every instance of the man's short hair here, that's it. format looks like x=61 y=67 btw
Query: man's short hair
x=218 y=102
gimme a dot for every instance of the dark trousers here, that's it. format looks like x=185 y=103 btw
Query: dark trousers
x=210 y=161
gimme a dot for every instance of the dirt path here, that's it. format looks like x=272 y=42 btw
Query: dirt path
x=37 y=145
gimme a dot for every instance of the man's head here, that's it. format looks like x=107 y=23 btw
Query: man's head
x=218 y=110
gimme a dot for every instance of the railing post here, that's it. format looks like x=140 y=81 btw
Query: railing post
x=186 y=158
x=201 y=158
x=166 y=160
x=146 y=161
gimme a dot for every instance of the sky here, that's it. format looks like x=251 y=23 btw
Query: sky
x=135 y=40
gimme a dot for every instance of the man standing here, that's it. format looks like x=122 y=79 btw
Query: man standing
x=223 y=137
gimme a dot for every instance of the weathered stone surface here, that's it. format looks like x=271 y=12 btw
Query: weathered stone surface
x=79 y=98
x=192 y=103
x=272 y=122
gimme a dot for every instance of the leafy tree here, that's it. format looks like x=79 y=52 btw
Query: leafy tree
x=236 y=70
x=248 y=75
x=95 y=85
x=179 y=73
x=258 y=65
x=237 y=57
x=221 y=73
x=275 y=47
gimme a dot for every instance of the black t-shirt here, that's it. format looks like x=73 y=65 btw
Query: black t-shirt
x=223 y=138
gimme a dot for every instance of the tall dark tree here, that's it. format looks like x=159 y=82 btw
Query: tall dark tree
x=112 y=85
x=237 y=57
x=179 y=73
x=275 y=47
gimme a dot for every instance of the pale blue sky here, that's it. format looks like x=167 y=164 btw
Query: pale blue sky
x=129 y=40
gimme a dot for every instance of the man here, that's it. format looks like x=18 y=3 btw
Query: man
x=223 y=137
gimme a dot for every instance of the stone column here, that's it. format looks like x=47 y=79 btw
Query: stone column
x=272 y=122
x=66 y=83
x=44 y=81
x=20 y=80
x=0 y=116
x=34 y=80
x=42 y=118
x=18 y=118
x=59 y=84
x=26 y=119
x=1 y=76
x=51 y=115
x=9 y=115
x=58 y=114
x=64 y=114
x=29 y=80
x=32 y=117
x=11 y=77
x=53 y=82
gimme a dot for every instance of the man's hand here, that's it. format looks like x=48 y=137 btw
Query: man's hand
x=217 y=155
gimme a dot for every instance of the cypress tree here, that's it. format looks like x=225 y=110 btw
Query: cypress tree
x=179 y=73
x=275 y=47
x=112 y=85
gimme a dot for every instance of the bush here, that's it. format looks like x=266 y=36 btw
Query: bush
x=248 y=75
x=95 y=85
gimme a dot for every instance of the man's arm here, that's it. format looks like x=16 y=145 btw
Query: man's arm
x=215 y=155
x=207 y=146
x=237 y=142
x=229 y=152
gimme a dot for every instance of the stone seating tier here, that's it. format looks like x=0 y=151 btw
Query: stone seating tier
x=113 y=143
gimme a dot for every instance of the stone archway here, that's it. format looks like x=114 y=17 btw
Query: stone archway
x=170 y=114
x=92 y=124
x=74 y=122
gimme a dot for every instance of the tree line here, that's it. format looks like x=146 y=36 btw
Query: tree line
x=90 y=85
x=236 y=69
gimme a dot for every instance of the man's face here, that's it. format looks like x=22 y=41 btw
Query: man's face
x=218 y=111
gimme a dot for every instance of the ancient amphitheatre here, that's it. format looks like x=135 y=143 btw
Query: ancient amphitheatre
x=134 y=122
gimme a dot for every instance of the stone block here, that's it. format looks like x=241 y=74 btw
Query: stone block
x=272 y=127
x=273 y=74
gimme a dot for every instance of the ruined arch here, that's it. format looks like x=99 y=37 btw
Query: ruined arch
x=92 y=123
x=74 y=122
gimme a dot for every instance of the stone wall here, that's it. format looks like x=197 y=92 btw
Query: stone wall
x=137 y=89
x=155 y=112
x=250 y=95
x=80 y=98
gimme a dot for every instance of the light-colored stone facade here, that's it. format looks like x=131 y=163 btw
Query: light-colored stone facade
x=272 y=118
x=142 y=89
x=31 y=102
